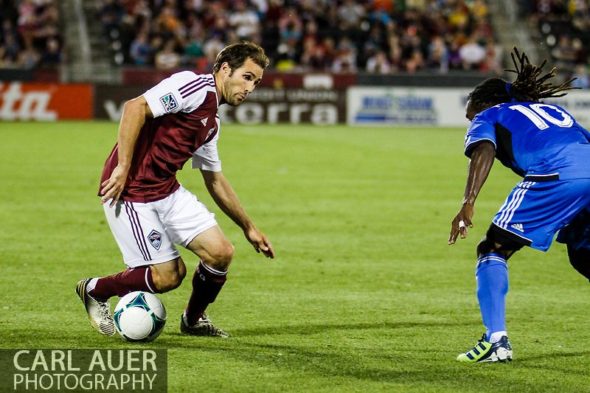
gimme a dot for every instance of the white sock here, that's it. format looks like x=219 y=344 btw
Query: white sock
x=91 y=284
x=496 y=336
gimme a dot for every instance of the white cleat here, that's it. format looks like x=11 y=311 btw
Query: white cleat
x=99 y=313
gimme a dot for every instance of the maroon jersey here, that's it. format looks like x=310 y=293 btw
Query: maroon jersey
x=185 y=125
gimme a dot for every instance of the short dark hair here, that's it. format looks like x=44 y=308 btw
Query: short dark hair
x=530 y=85
x=236 y=55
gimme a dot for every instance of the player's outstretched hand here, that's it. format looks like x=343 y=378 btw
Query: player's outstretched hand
x=112 y=188
x=461 y=222
x=260 y=242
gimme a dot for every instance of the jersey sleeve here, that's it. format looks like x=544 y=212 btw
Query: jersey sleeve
x=481 y=130
x=166 y=96
x=207 y=157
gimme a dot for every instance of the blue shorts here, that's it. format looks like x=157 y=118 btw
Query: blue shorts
x=577 y=233
x=535 y=210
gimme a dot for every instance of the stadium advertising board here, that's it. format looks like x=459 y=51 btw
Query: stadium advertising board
x=433 y=106
x=406 y=106
x=265 y=105
x=45 y=101
x=295 y=106
x=109 y=100
x=576 y=103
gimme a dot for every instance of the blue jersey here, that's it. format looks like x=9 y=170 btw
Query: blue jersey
x=533 y=139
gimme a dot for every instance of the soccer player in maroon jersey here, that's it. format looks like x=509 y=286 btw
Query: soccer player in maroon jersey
x=148 y=210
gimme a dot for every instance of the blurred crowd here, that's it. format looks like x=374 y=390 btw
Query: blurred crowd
x=565 y=28
x=378 y=36
x=30 y=34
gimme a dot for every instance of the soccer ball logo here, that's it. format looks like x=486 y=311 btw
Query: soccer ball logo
x=139 y=316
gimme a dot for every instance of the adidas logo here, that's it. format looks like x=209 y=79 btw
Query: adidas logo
x=204 y=121
x=518 y=227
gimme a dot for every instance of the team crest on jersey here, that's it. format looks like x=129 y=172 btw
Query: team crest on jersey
x=155 y=239
x=168 y=102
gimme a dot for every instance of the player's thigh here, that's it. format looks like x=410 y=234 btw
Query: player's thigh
x=140 y=234
x=535 y=211
x=213 y=248
x=184 y=216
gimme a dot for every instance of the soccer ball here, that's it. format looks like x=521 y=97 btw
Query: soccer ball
x=139 y=316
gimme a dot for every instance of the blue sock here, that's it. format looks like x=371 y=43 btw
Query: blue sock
x=492 y=286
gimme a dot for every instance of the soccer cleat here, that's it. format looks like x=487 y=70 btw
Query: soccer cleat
x=203 y=327
x=99 y=313
x=485 y=351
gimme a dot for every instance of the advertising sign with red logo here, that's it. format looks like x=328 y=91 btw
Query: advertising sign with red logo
x=45 y=101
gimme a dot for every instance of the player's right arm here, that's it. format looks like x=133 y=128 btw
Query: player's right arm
x=480 y=165
x=135 y=112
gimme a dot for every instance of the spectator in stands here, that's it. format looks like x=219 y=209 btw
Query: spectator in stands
x=378 y=63
x=350 y=15
x=492 y=62
x=472 y=54
x=111 y=14
x=415 y=62
x=345 y=59
x=52 y=55
x=438 y=55
x=11 y=50
x=28 y=58
x=167 y=58
x=141 y=52
x=564 y=52
x=245 y=22
x=582 y=80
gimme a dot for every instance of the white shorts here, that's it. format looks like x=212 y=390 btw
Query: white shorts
x=146 y=232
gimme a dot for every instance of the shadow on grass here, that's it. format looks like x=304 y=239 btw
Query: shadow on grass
x=424 y=362
x=308 y=329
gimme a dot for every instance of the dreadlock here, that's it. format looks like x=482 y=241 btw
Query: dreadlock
x=530 y=85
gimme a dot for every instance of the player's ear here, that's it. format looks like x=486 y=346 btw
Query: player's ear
x=226 y=68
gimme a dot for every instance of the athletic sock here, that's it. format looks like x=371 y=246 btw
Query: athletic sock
x=207 y=282
x=496 y=336
x=492 y=287
x=120 y=284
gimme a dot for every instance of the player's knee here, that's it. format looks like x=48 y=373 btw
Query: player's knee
x=171 y=280
x=221 y=257
x=485 y=246
x=580 y=260
x=167 y=279
x=497 y=243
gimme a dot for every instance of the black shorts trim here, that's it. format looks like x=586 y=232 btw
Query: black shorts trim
x=505 y=237
x=542 y=178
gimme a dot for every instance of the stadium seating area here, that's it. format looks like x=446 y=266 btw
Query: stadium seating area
x=379 y=36
x=30 y=35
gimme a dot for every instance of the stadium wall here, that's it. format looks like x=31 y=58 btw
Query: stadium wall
x=354 y=105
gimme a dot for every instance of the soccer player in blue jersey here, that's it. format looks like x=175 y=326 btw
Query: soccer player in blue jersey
x=546 y=146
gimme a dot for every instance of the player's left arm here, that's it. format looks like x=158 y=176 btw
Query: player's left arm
x=480 y=165
x=226 y=198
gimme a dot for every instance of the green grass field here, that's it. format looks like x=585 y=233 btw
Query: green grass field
x=365 y=295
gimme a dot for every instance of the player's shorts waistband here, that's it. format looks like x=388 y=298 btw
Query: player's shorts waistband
x=541 y=178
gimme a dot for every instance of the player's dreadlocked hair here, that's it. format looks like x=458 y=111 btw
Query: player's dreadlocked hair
x=530 y=85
